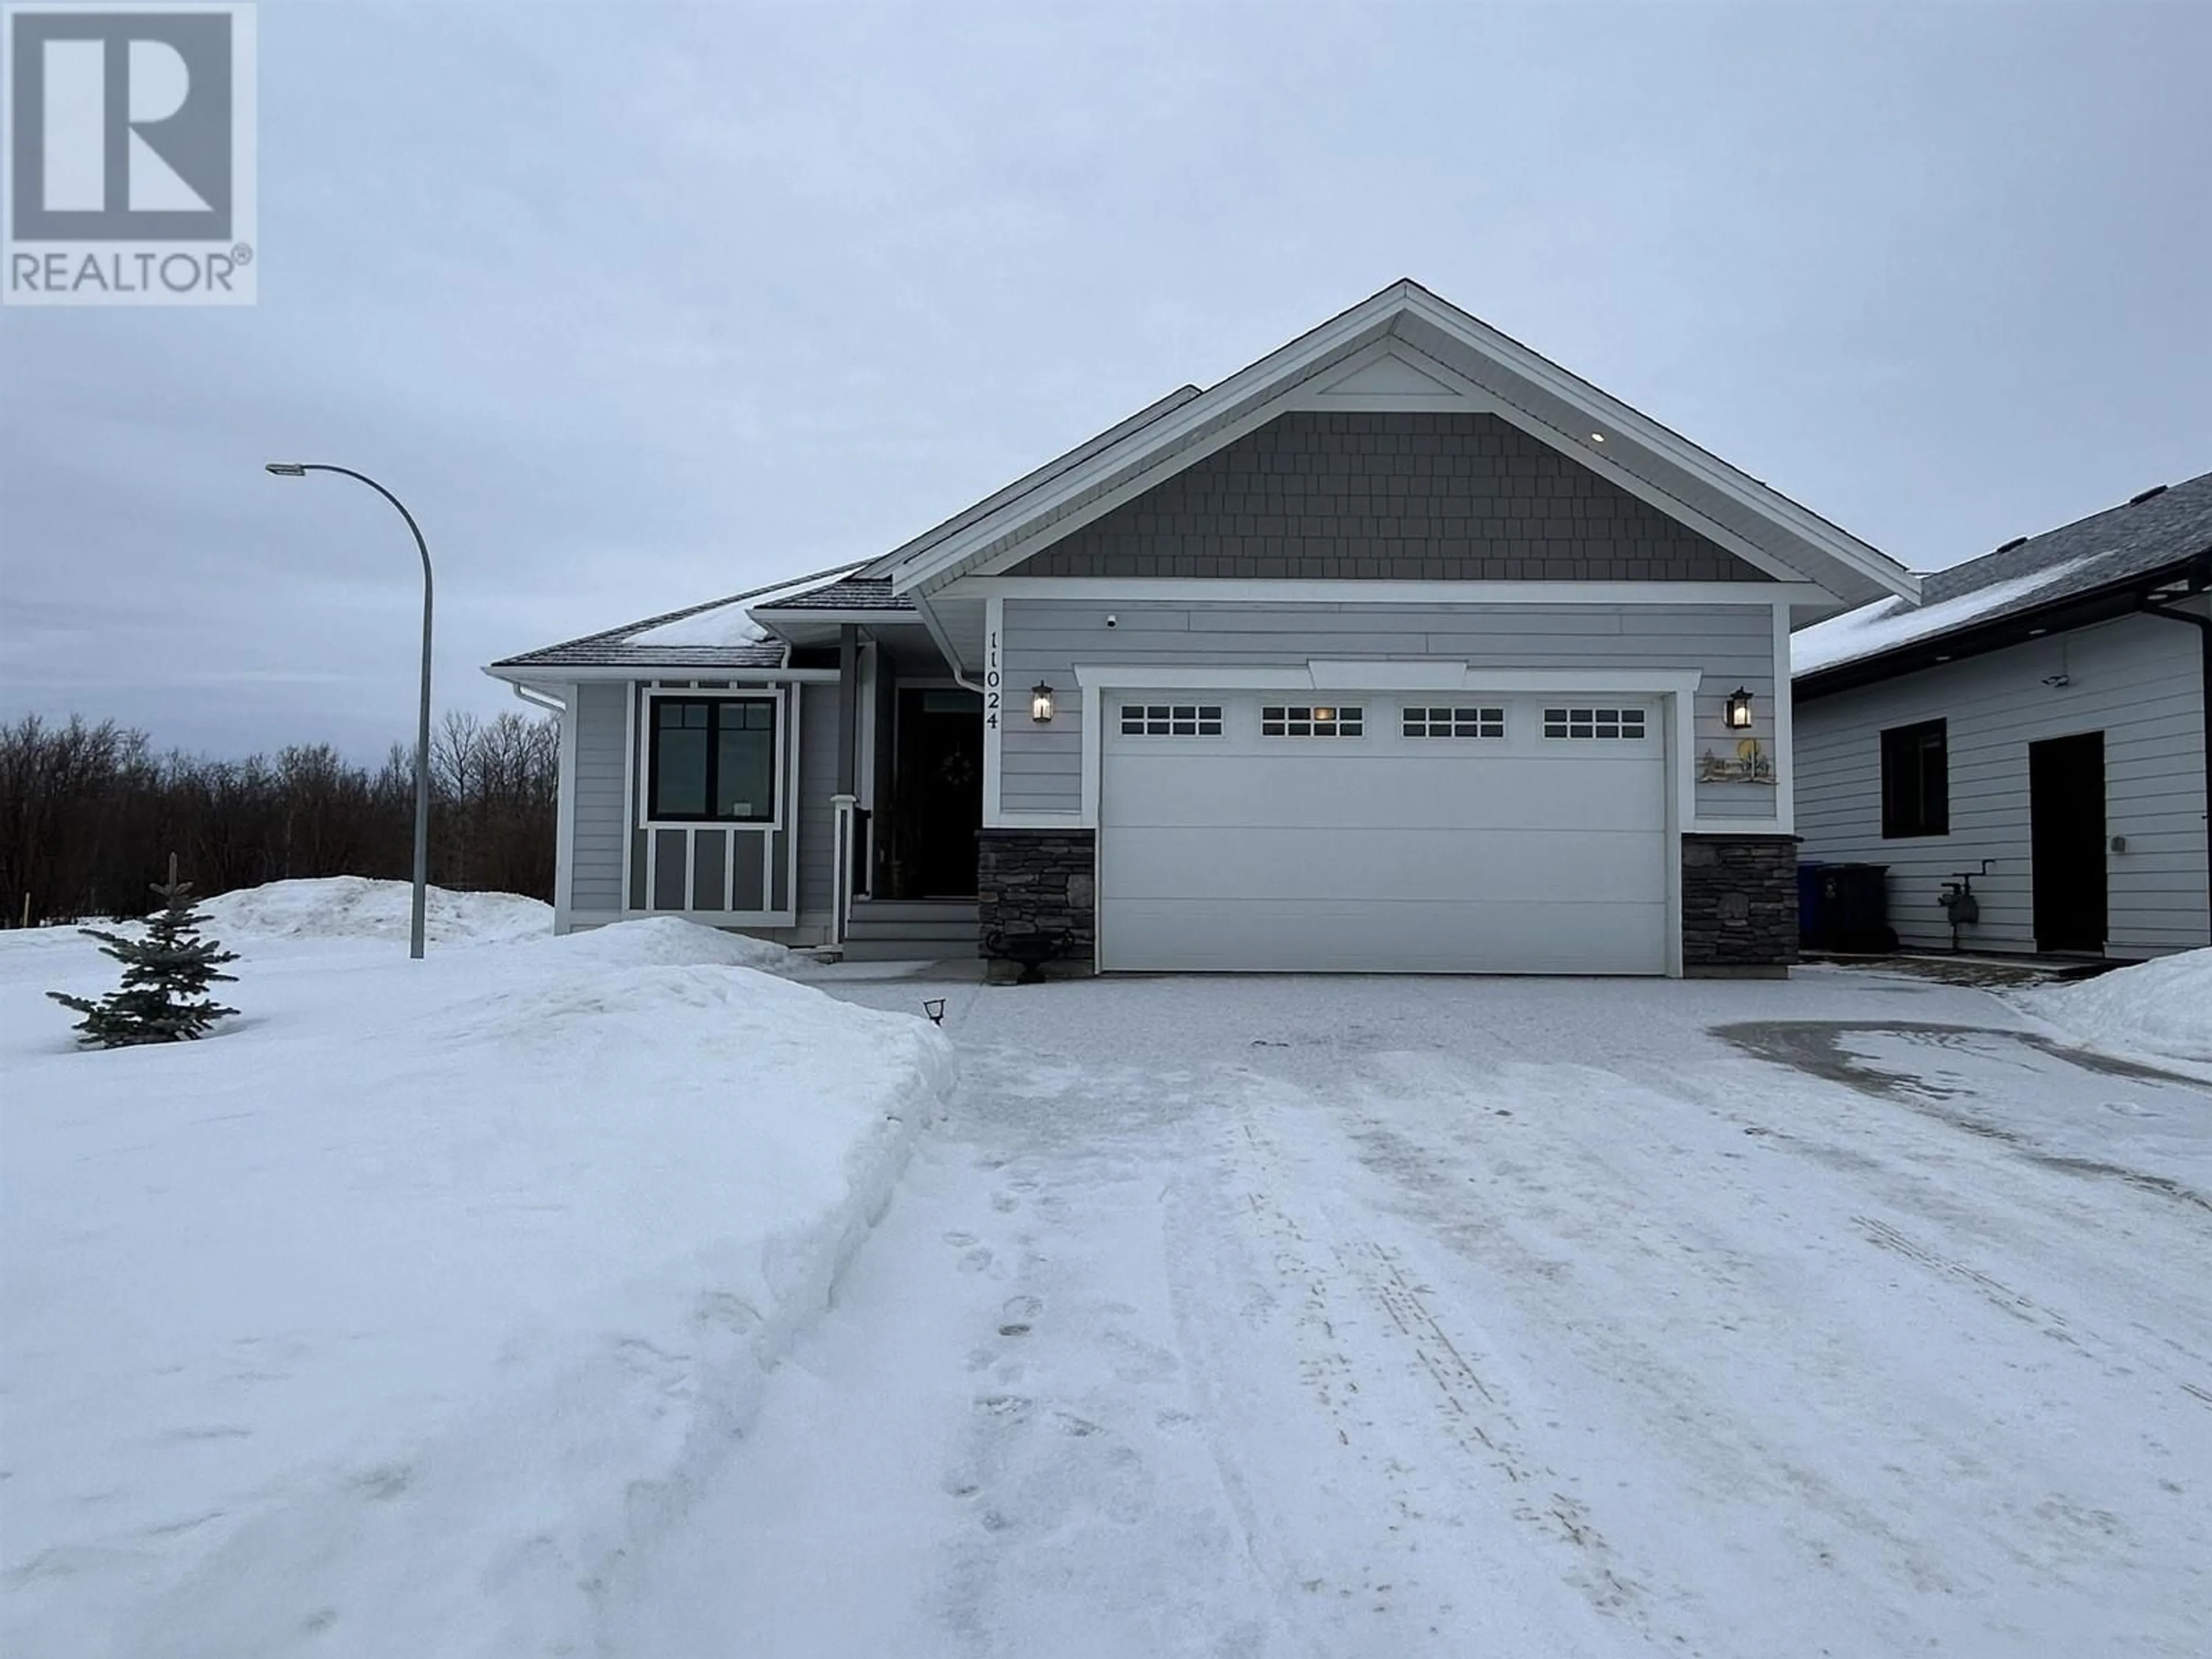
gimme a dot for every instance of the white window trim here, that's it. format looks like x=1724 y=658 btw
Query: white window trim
x=775 y=695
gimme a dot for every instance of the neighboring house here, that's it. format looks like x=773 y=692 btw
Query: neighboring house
x=1400 y=649
x=2036 y=723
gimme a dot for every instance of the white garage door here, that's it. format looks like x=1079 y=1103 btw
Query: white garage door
x=1393 y=832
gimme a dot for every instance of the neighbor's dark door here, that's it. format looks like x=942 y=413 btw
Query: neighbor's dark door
x=940 y=784
x=2066 y=829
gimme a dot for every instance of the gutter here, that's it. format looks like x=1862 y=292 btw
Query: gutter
x=944 y=644
x=2200 y=581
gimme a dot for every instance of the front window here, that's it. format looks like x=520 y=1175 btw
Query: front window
x=713 y=760
x=1915 y=781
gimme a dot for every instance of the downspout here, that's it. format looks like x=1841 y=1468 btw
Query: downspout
x=2200 y=581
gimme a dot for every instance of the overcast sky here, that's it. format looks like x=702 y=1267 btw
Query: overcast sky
x=640 y=304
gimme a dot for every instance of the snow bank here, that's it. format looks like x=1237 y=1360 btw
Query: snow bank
x=669 y=941
x=390 y=1318
x=354 y=906
x=2160 y=1007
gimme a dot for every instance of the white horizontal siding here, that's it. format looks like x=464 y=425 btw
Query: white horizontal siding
x=2138 y=680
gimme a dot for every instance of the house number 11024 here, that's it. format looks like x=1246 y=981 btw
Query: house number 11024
x=991 y=682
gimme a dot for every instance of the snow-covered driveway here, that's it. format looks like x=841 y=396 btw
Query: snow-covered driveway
x=1397 y=1316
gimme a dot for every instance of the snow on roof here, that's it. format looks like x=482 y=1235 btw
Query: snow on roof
x=728 y=622
x=1887 y=624
x=2145 y=536
x=716 y=634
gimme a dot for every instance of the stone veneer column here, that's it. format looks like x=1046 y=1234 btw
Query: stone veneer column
x=1739 y=906
x=1040 y=881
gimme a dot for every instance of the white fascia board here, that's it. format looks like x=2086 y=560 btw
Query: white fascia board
x=860 y=617
x=1385 y=675
x=1606 y=410
x=705 y=670
x=1206 y=589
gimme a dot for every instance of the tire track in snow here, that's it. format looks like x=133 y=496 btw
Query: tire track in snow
x=1362 y=1386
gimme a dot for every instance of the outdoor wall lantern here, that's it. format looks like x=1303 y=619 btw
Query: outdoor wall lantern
x=1041 y=703
x=1739 y=710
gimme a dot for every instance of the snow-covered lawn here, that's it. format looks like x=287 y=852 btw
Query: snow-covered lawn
x=1396 y=1316
x=392 y=1317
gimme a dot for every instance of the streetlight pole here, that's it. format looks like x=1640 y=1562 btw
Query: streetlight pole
x=300 y=469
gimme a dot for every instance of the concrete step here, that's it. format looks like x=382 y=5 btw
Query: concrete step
x=907 y=950
x=915 y=910
x=934 y=932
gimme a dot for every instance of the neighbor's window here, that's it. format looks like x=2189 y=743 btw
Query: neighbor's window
x=1426 y=722
x=1626 y=724
x=1313 y=720
x=1915 y=781
x=713 y=760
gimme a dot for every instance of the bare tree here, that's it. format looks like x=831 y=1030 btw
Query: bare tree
x=89 y=814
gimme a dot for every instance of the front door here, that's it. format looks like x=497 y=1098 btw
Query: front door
x=940 y=784
x=2066 y=820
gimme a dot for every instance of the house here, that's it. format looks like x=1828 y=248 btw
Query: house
x=2032 y=731
x=1400 y=649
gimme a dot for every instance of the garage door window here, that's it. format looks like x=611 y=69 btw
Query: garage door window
x=1430 y=722
x=1576 y=724
x=1314 y=721
x=1178 y=720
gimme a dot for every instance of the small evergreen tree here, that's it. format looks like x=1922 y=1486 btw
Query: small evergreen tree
x=166 y=976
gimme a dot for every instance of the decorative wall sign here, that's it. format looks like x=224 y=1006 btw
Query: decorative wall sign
x=1750 y=765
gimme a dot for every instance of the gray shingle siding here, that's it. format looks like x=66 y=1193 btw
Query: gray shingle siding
x=1040 y=766
x=2139 y=681
x=1398 y=497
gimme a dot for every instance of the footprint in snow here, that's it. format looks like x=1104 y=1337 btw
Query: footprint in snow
x=1022 y=1307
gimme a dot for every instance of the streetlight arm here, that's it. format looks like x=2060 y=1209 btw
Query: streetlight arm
x=297 y=469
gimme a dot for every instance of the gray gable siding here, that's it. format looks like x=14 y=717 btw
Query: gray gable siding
x=1040 y=766
x=1398 y=497
x=2138 y=680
